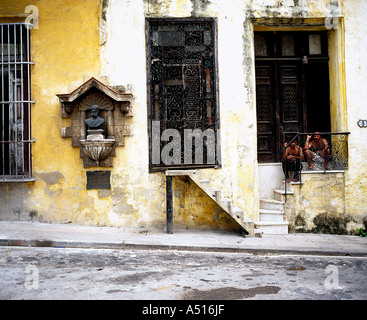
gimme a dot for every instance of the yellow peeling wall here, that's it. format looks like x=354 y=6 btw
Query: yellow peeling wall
x=78 y=39
x=65 y=49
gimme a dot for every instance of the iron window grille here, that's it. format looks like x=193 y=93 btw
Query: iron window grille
x=15 y=103
x=182 y=93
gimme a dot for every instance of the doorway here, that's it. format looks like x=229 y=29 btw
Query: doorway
x=292 y=88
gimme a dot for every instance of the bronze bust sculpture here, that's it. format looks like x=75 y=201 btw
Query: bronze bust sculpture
x=94 y=121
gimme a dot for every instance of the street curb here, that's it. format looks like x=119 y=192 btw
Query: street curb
x=124 y=245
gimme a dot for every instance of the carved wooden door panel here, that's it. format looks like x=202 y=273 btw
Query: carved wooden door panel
x=279 y=106
x=265 y=109
x=280 y=90
x=291 y=104
x=182 y=93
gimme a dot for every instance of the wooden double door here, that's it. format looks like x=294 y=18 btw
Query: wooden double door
x=292 y=88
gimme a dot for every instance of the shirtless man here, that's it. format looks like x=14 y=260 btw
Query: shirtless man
x=292 y=157
x=317 y=149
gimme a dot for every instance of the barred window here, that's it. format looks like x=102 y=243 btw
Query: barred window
x=15 y=103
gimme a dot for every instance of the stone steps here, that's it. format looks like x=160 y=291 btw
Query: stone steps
x=272 y=218
x=271 y=215
x=271 y=227
x=272 y=204
x=280 y=194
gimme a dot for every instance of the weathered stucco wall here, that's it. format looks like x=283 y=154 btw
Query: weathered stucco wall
x=123 y=61
x=78 y=39
x=194 y=209
x=356 y=74
x=319 y=206
x=320 y=194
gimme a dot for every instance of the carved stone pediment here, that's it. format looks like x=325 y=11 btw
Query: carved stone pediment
x=112 y=107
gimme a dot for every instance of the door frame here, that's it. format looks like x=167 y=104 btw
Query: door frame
x=336 y=49
x=275 y=60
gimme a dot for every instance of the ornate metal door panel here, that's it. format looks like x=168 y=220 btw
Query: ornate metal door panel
x=182 y=93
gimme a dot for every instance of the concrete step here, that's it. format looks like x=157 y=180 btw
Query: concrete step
x=279 y=194
x=227 y=204
x=289 y=186
x=205 y=183
x=269 y=227
x=271 y=204
x=180 y=172
x=217 y=194
x=237 y=212
x=271 y=215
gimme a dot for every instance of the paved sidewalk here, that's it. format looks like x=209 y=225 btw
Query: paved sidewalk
x=72 y=236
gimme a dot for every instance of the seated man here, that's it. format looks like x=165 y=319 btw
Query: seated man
x=317 y=150
x=292 y=157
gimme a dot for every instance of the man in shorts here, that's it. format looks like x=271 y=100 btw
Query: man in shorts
x=317 y=150
x=292 y=157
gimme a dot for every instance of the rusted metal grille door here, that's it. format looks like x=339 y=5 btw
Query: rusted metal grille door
x=182 y=93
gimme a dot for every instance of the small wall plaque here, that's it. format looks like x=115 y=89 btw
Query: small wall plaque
x=98 y=180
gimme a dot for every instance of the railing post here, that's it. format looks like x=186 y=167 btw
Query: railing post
x=169 y=204
x=285 y=185
x=300 y=172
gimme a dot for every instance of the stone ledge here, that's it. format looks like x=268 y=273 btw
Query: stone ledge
x=322 y=171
